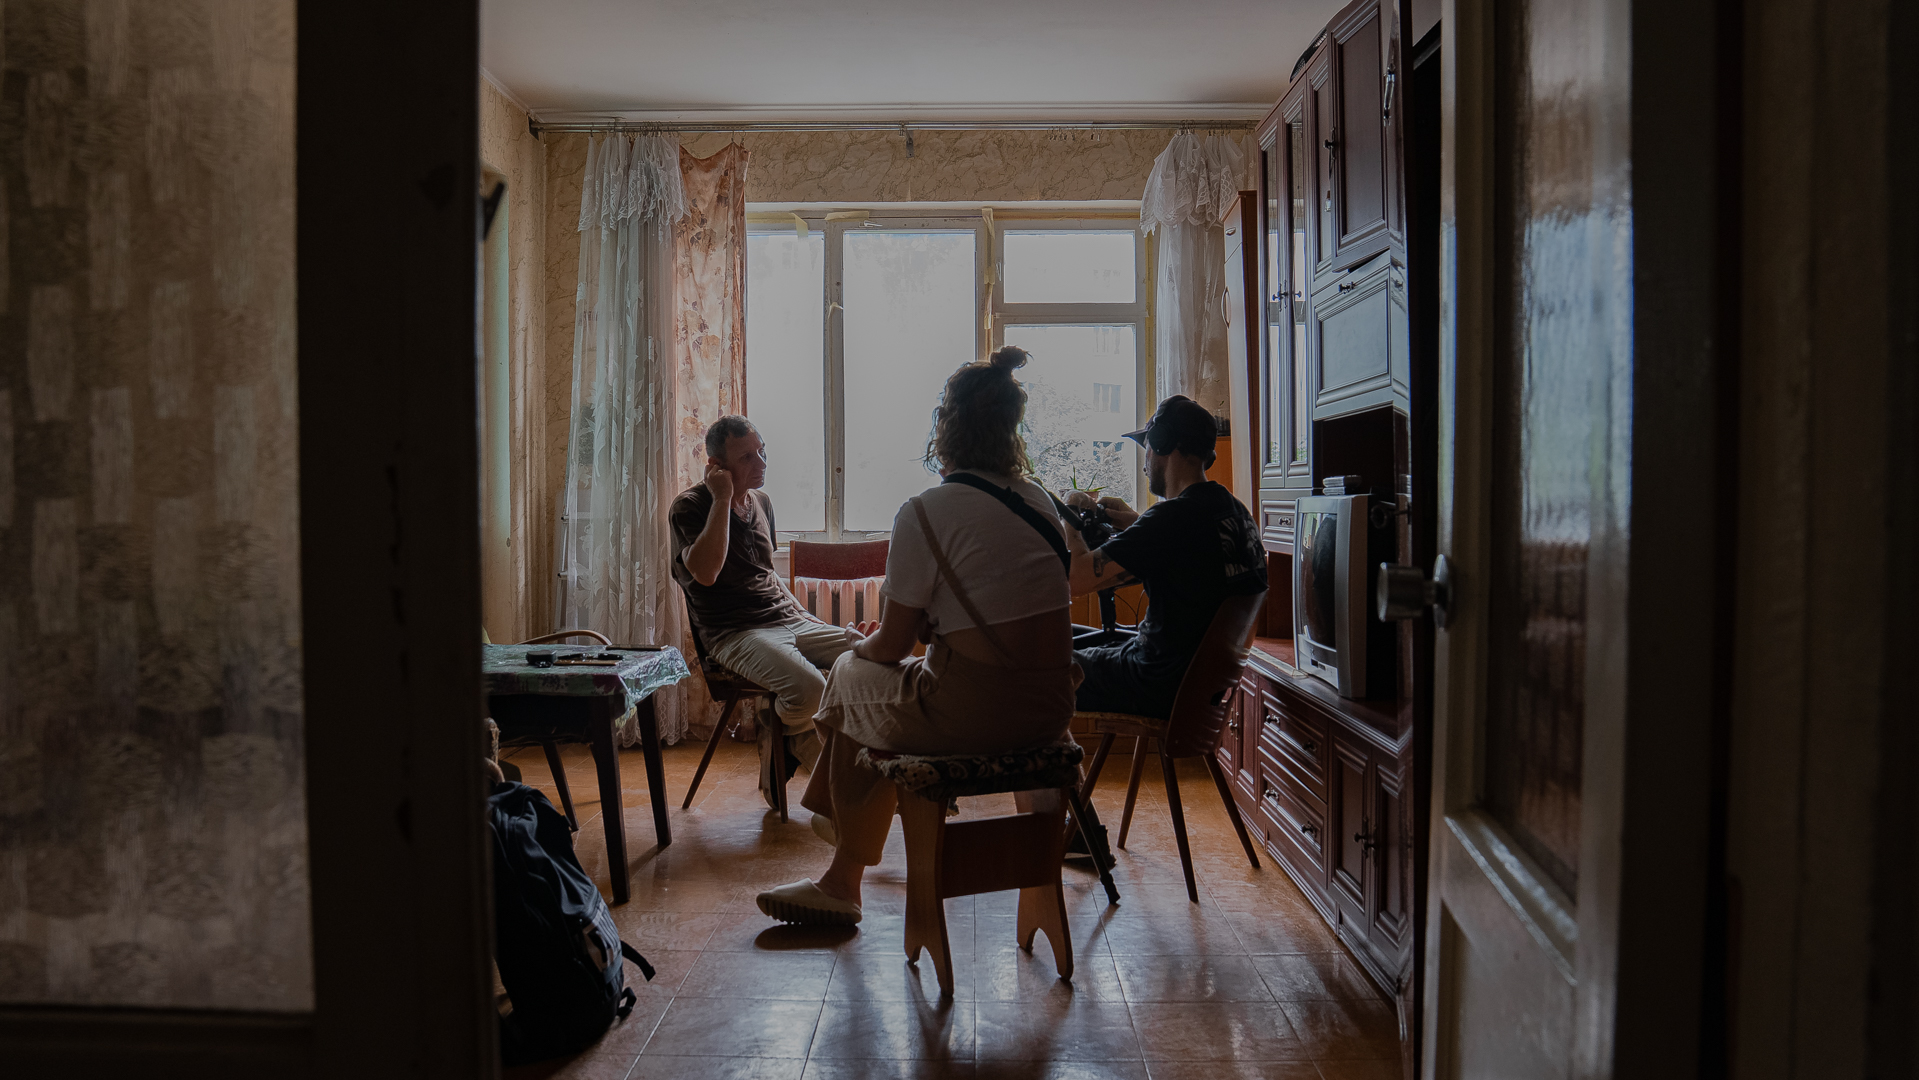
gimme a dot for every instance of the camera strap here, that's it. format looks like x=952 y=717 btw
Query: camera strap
x=1011 y=500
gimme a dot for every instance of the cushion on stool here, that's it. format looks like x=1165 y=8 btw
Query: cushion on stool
x=944 y=778
x=1120 y=723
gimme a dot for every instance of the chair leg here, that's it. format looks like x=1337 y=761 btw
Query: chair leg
x=776 y=746
x=1132 y=789
x=559 y=781
x=719 y=729
x=1043 y=907
x=1089 y=832
x=1179 y=824
x=1232 y=807
x=1092 y=771
x=924 y=823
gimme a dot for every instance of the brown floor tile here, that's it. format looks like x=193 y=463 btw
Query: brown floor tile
x=787 y=976
x=1333 y=1030
x=1191 y=978
x=652 y=1067
x=1376 y=1069
x=1234 y=1070
x=650 y=931
x=1061 y=1070
x=1252 y=934
x=878 y=976
x=818 y=1069
x=895 y=1030
x=757 y=933
x=719 y=1027
x=1275 y=933
x=1328 y=976
x=1055 y=1030
x=1189 y=934
x=1216 y=1031
x=1013 y=974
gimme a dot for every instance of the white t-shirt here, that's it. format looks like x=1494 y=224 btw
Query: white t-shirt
x=1009 y=570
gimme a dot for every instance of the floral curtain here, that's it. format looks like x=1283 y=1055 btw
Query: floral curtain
x=1193 y=182
x=614 y=549
x=709 y=330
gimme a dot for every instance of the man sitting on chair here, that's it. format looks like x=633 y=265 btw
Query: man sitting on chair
x=1191 y=550
x=723 y=544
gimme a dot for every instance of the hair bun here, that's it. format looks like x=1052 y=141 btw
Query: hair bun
x=1007 y=358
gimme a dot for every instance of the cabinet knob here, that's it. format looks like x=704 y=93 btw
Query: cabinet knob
x=1364 y=837
x=1405 y=593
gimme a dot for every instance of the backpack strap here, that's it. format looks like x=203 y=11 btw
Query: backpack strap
x=953 y=582
x=1017 y=505
x=633 y=954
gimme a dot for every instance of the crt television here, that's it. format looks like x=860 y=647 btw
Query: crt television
x=1336 y=636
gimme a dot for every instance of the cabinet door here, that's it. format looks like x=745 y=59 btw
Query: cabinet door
x=1390 y=905
x=1285 y=391
x=1361 y=195
x=1350 y=344
x=1349 y=790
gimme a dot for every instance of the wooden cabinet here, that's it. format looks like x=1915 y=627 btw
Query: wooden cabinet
x=1324 y=784
x=1335 y=260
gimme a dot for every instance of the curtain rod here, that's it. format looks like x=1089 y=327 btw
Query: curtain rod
x=651 y=128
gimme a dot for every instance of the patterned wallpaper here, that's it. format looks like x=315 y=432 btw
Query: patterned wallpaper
x=152 y=796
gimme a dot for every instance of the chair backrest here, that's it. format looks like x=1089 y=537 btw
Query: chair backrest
x=1200 y=707
x=866 y=558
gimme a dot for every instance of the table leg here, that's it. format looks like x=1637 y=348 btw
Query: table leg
x=655 y=769
x=606 y=758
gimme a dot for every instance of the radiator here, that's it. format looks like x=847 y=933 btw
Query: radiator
x=840 y=600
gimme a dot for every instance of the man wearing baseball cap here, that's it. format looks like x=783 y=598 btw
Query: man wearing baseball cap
x=1191 y=550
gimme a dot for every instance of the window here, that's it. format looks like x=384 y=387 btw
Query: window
x=853 y=325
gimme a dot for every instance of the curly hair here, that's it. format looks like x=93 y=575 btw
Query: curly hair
x=977 y=423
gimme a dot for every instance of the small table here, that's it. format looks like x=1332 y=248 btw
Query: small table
x=590 y=705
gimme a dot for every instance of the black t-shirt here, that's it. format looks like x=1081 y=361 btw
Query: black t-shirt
x=1191 y=553
x=747 y=594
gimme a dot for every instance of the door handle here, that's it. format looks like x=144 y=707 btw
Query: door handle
x=1367 y=842
x=1386 y=111
x=1406 y=593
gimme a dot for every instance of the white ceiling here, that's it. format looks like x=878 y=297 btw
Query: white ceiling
x=714 y=60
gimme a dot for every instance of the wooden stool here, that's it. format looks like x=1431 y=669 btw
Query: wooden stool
x=1023 y=851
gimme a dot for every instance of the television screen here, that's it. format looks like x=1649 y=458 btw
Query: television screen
x=1318 y=554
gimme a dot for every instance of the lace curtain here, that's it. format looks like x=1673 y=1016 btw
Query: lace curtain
x=708 y=332
x=614 y=548
x=1193 y=181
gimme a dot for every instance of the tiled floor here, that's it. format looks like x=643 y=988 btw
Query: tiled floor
x=1249 y=982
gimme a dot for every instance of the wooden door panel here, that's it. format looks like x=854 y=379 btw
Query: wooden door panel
x=1347 y=809
x=1361 y=179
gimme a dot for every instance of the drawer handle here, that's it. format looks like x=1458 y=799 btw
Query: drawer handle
x=1266 y=792
x=1348 y=286
x=1309 y=746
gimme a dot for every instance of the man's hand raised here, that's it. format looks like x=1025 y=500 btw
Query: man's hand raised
x=719 y=482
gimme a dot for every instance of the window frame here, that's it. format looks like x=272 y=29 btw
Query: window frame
x=987 y=227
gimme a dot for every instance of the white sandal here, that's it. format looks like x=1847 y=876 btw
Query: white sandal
x=802 y=902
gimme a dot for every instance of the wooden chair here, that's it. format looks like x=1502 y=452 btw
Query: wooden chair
x=947 y=858
x=1205 y=697
x=546 y=741
x=728 y=688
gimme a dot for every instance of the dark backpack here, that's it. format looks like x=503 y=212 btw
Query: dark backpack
x=560 y=955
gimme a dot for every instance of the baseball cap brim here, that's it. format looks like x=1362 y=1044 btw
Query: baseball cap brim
x=1137 y=436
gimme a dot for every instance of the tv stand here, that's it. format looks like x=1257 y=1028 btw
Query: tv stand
x=1323 y=782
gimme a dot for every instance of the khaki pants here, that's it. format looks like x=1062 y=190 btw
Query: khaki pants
x=787 y=660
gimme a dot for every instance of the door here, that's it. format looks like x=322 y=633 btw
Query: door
x=1566 y=904
x=1349 y=847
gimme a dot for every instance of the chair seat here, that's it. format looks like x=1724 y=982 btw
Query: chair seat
x=721 y=681
x=1119 y=723
x=948 y=777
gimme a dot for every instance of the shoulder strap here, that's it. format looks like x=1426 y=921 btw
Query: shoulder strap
x=633 y=954
x=1017 y=505
x=952 y=580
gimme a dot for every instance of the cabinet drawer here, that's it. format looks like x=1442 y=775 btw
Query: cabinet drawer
x=1290 y=810
x=1276 y=525
x=1297 y=740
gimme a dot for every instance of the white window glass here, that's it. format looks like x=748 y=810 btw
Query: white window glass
x=785 y=371
x=1068 y=266
x=1081 y=398
x=910 y=322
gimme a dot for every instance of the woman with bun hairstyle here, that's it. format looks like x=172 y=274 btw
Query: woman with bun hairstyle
x=978 y=581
